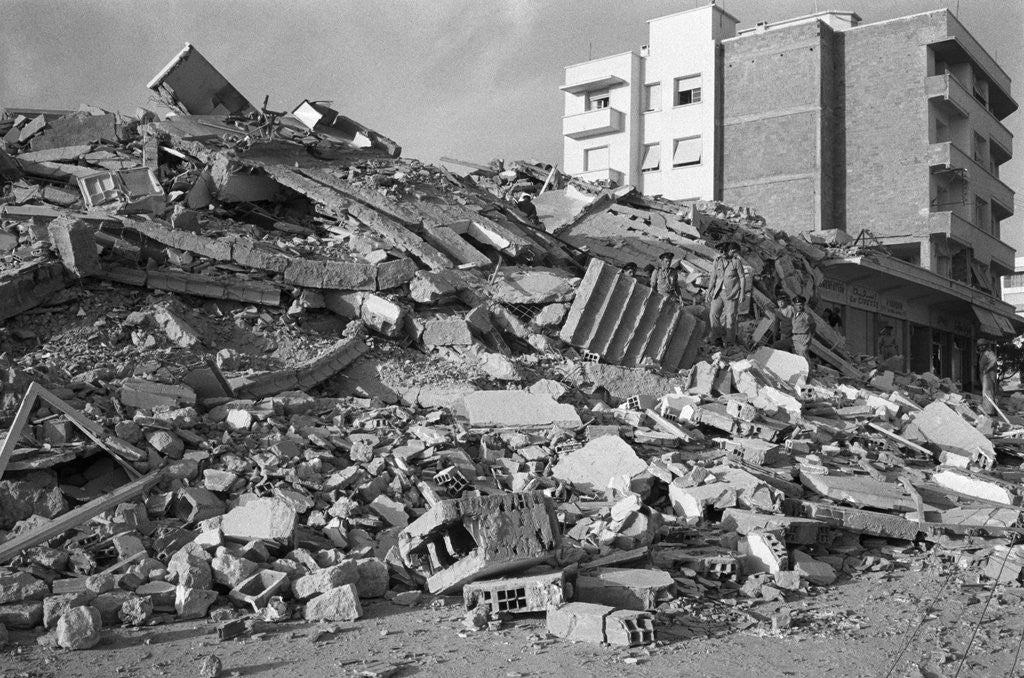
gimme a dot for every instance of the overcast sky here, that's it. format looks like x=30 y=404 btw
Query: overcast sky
x=471 y=79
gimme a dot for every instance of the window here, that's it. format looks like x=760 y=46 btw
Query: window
x=652 y=158
x=1013 y=280
x=941 y=131
x=687 y=151
x=687 y=90
x=941 y=198
x=595 y=159
x=599 y=98
x=981 y=150
x=981 y=90
x=981 y=213
x=652 y=97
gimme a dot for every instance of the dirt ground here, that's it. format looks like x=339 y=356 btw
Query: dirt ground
x=855 y=628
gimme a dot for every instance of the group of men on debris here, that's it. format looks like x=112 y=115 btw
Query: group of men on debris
x=726 y=289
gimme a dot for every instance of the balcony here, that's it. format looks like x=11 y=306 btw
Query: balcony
x=945 y=155
x=593 y=123
x=986 y=246
x=951 y=95
x=610 y=175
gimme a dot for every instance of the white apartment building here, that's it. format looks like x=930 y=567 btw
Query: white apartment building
x=649 y=118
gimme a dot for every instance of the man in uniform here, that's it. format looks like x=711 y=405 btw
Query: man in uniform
x=987 y=367
x=803 y=327
x=726 y=288
x=783 y=323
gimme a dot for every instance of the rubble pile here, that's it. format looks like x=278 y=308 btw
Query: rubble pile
x=259 y=367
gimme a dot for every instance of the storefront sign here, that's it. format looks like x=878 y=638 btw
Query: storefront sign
x=832 y=291
x=893 y=307
x=862 y=297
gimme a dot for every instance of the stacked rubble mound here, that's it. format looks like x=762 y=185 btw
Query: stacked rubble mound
x=257 y=366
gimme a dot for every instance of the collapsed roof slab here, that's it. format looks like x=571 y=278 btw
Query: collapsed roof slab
x=197 y=87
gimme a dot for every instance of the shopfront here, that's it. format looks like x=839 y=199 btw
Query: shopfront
x=890 y=307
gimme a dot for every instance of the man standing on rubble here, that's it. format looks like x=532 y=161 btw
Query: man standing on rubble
x=664 y=279
x=988 y=365
x=526 y=206
x=783 y=323
x=803 y=327
x=726 y=289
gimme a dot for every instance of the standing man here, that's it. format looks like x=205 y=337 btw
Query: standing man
x=803 y=327
x=987 y=366
x=783 y=323
x=664 y=279
x=726 y=289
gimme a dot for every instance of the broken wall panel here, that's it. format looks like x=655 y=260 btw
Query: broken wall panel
x=625 y=322
x=199 y=88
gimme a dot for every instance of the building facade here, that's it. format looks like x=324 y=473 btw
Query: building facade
x=890 y=131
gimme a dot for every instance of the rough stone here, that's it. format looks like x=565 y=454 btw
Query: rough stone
x=55 y=606
x=373 y=578
x=136 y=611
x=337 y=604
x=192 y=603
x=21 y=615
x=229 y=569
x=322 y=581
x=79 y=628
x=16 y=587
x=259 y=519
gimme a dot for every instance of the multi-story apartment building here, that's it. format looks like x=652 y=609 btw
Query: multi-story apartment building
x=1013 y=287
x=891 y=131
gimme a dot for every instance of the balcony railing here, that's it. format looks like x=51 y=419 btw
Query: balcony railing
x=612 y=175
x=593 y=123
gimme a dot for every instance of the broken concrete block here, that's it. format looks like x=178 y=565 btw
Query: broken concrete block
x=517 y=594
x=691 y=502
x=257 y=590
x=591 y=467
x=445 y=332
x=337 y=604
x=817 y=572
x=166 y=444
x=79 y=628
x=531 y=285
x=175 y=327
x=459 y=541
x=631 y=589
x=196 y=504
x=796 y=530
x=229 y=569
x=390 y=510
x=25 y=615
x=960 y=441
x=374 y=578
x=239 y=420
x=628 y=628
x=494 y=409
x=16 y=587
x=192 y=603
x=787 y=367
x=55 y=606
x=75 y=244
x=322 y=581
x=264 y=518
x=973 y=486
x=578 y=621
x=767 y=553
x=859 y=491
x=149 y=395
x=136 y=611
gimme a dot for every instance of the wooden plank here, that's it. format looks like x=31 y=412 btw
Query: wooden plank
x=20 y=419
x=75 y=517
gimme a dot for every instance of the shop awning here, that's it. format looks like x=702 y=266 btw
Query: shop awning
x=1005 y=325
x=989 y=323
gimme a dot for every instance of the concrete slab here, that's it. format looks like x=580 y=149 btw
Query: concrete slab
x=942 y=426
x=590 y=468
x=788 y=367
x=500 y=409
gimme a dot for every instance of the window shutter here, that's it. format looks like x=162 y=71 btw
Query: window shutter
x=687 y=151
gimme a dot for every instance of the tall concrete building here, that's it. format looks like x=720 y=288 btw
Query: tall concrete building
x=890 y=131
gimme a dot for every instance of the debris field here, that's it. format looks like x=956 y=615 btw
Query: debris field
x=258 y=367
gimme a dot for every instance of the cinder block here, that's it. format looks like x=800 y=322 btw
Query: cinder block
x=628 y=628
x=631 y=589
x=517 y=595
x=459 y=541
x=259 y=588
x=767 y=553
x=578 y=621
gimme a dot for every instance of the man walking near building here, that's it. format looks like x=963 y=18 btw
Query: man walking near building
x=726 y=289
x=987 y=367
x=664 y=279
x=803 y=327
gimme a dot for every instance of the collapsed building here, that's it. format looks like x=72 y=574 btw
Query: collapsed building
x=260 y=365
